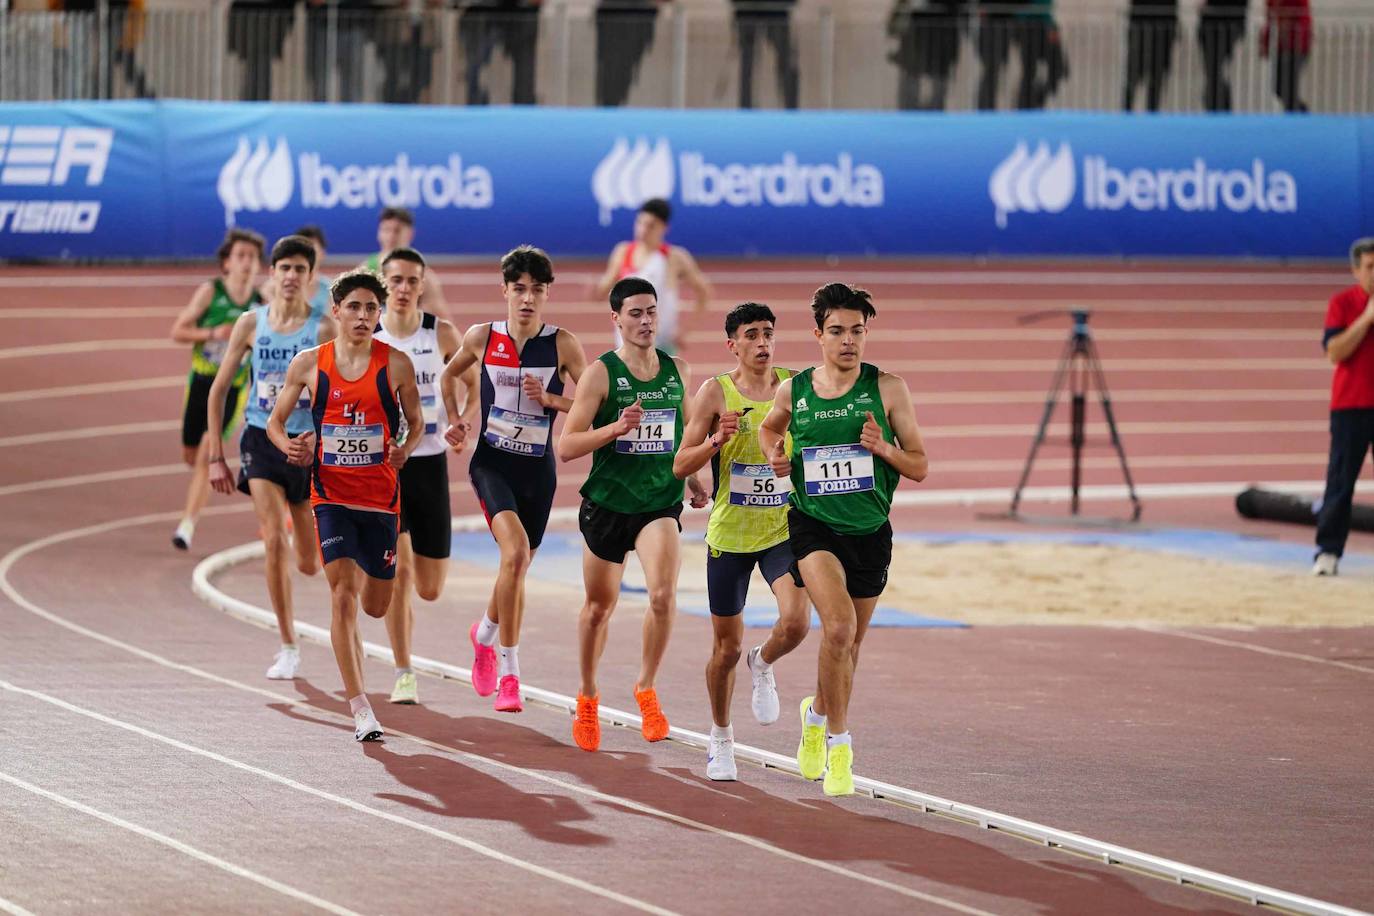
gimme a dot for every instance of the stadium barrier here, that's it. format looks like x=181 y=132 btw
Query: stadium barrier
x=162 y=180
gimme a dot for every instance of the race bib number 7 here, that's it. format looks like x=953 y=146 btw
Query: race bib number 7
x=352 y=446
x=517 y=433
x=832 y=469
x=656 y=434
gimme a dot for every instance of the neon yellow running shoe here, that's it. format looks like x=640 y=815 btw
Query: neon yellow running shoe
x=406 y=691
x=811 y=750
x=839 y=770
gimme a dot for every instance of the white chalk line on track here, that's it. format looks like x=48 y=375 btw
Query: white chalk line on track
x=14 y=556
x=855 y=272
x=123 y=474
x=91 y=346
x=12 y=908
x=1183 y=874
x=237 y=871
x=91 y=432
x=1252 y=647
x=290 y=783
x=95 y=388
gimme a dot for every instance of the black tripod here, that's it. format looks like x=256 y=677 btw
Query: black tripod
x=1079 y=364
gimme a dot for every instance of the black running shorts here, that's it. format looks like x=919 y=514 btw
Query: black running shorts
x=259 y=458
x=524 y=486
x=865 y=557
x=610 y=535
x=425 y=511
x=194 y=416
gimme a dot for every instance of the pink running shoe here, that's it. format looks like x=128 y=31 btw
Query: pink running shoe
x=483 y=666
x=508 y=699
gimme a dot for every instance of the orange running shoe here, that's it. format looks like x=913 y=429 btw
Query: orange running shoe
x=655 y=724
x=587 y=723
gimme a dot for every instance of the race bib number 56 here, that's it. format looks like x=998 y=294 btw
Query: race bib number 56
x=352 y=446
x=832 y=469
x=756 y=485
x=656 y=434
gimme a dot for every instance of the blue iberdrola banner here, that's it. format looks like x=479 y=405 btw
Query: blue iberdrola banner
x=165 y=179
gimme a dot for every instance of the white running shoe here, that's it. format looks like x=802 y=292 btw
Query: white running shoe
x=765 y=699
x=365 y=725
x=181 y=538
x=406 y=691
x=285 y=666
x=720 y=760
x=1325 y=565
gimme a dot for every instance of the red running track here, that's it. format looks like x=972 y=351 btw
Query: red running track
x=151 y=768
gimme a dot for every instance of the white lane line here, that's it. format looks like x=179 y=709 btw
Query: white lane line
x=14 y=556
x=349 y=803
x=98 y=388
x=1316 y=396
x=14 y=909
x=91 y=346
x=57 y=483
x=1153 y=428
x=1146 y=304
x=236 y=870
x=1017 y=335
x=66 y=313
x=1048 y=836
x=856 y=271
x=1108 y=492
x=956 y=367
x=91 y=432
x=1251 y=647
x=1273 y=459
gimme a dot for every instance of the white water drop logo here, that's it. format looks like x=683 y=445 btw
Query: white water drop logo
x=1027 y=182
x=256 y=178
x=631 y=174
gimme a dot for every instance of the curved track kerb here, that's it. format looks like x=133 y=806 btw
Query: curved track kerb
x=1260 y=895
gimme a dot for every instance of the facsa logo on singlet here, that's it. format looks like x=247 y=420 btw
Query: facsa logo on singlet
x=631 y=174
x=45 y=157
x=1041 y=182
x=260 y=176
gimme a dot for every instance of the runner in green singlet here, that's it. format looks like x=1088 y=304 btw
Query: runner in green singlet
x=854 y=435
x=748 y=525
x=628 y=413
x=206 y=323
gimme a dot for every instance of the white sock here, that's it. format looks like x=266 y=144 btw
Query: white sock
x=758 y=664
x=507 y=661
x=723 y=731
x=812 y=718
x=401 y=671
x=358 y=704
x=486 y=631
x=291 y=647
x=841 y=738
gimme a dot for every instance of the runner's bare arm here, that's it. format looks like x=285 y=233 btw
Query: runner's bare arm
x=300 y=376
x=908 y=455
x=244 y=329
x=578 y=438
x=184 y=330
x=461 y=368
x=402 y=372
x=700 y=436
x=450 y=344
x=697 y=492
x=433 y=294
x=572 y=361
x=773 y=430
x=603 y=286
x=690 y=275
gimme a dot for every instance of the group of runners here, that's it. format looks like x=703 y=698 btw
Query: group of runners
x=351 y=411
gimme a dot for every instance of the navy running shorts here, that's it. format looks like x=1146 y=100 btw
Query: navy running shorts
x=521 y=485
x=728 y=575
x=367 y=538
x=260 y=459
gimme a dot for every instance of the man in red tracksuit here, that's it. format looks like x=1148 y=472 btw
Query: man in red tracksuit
x=1350 y=347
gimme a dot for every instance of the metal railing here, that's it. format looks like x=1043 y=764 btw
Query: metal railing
x=932 y=55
